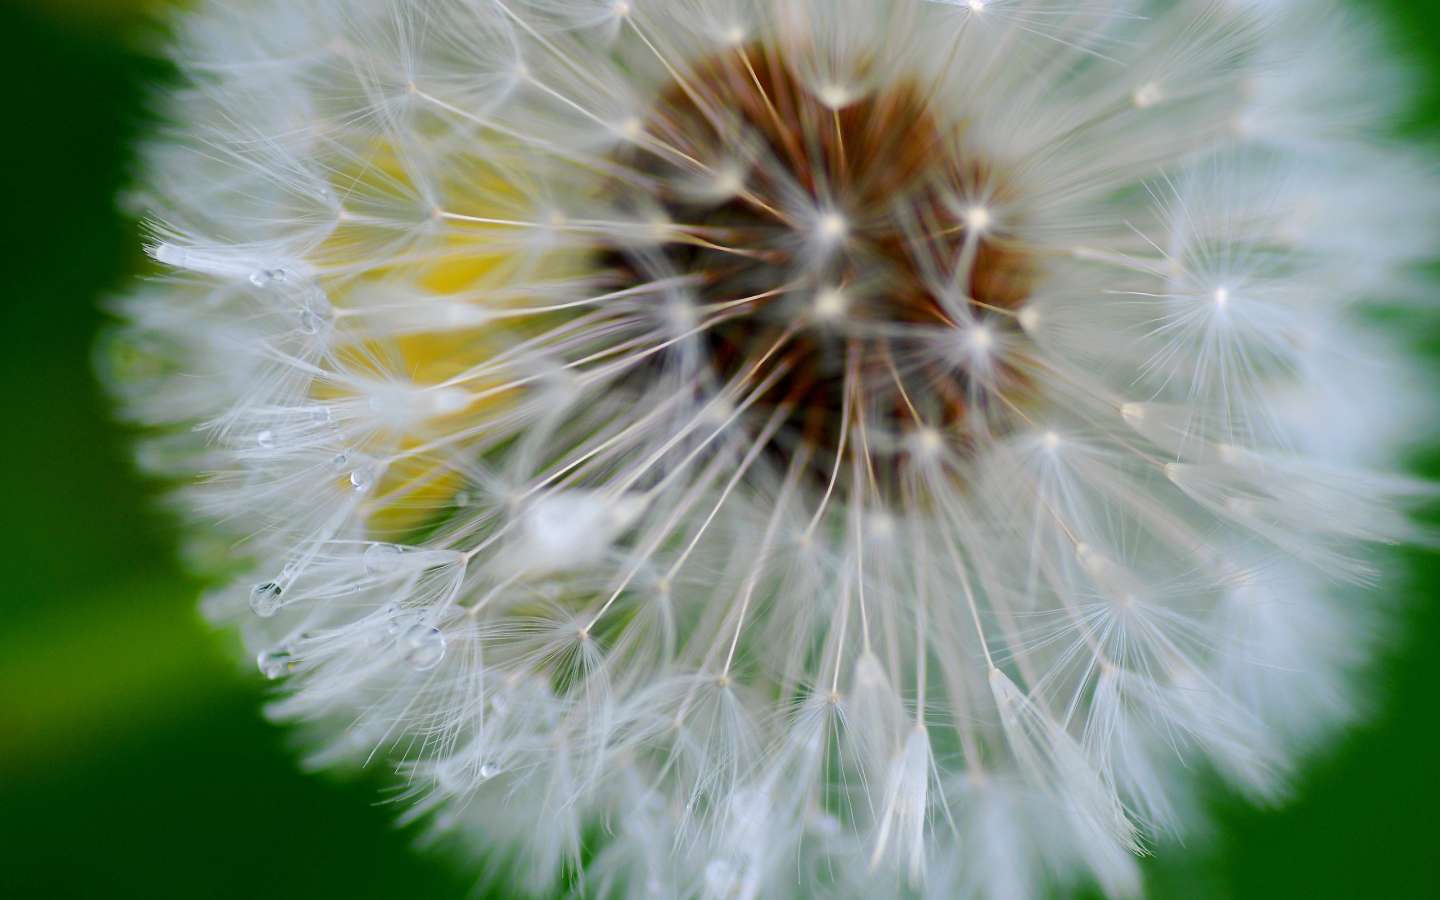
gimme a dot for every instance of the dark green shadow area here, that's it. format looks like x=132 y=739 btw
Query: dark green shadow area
x=164 y=781
x=1365 y=822
x=207 y=807
x=133 y=758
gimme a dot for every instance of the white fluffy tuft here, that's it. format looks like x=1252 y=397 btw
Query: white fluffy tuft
x=524 y=512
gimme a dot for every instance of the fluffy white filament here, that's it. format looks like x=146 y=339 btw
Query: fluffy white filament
x=503 y=521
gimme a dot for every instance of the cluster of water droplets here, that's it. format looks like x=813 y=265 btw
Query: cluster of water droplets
x=380 y=568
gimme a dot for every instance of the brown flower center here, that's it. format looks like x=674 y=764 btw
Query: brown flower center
x=844 y=251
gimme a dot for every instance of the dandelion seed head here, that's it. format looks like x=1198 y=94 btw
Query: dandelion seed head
x=700 y=442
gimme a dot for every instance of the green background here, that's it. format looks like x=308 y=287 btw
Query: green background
x=133 y=757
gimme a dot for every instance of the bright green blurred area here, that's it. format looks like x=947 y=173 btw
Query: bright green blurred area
x=133 y=757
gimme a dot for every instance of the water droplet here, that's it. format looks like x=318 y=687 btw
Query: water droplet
x=308 y=322
x=422 y=647
x=275 y=663
x=362 y=479
x=381 y=559
x=265 y=438
x=320 y=415
x=339 y=461
x=265 y=598
x=489 y=770
x=497 y=703
x=266 y=277
x=394 y=622
x=463 y=498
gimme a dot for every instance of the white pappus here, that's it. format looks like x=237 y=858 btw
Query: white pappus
x=788 y=448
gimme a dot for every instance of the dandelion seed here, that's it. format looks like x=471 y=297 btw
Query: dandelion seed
x=830 y=304
x=704 y=442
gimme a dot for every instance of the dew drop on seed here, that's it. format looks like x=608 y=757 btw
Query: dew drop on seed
x=394 y=624
x=265 y=438
x=339 y=461
x=265 y=598
x=462 y=498
x=362 y=479
x=489 y=771
x=422 y=647
x=275 y=663
x=266 y=277
x=381 y=559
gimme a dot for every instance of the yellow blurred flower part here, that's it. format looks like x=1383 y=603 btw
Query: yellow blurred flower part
x=448 y=348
